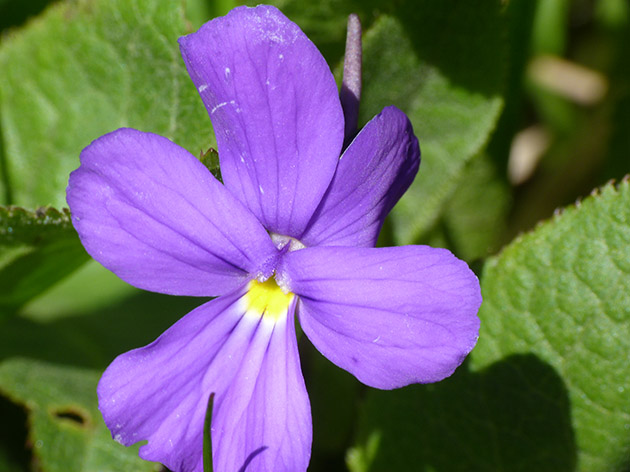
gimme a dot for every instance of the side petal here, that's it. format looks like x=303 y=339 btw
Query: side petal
x=261 y=416
x=275 y=110
x=373 y=173
x=389 y=316
x=150 y=212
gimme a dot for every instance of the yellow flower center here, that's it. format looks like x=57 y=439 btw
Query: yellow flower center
x=266 y=299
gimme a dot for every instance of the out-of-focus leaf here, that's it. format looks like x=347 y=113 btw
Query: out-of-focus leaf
x=67 y=433
x=37 y=248
x=445 y=70
x=84 y=69
x=551 y=26
x=75 y=295
x=200 y=11
x=16 y=12
x=519 y=16
x=617 y=162
x=474 y=219
x=14 y=452
x=556 y=319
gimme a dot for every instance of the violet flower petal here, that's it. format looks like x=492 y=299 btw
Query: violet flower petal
x=373 y=173
x=261 y=416
x=389 y=316
x=267 y=409
x=275 y=111
x=150 y=212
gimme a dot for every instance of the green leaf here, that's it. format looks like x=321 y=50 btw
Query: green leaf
x=551 y=27
x=67 y=433
x=548 y=385
x=445 y=70
x=563 y=293
x=200 y=11
x=75 y=294
x=472 y=233
x=37 y=248
x=82 y=70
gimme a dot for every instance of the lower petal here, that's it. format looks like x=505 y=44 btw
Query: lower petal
x=265 y=420
x=261 y=414
x=389 y=316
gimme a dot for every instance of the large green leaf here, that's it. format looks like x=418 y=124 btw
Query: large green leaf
x=549 y=381
x=442 y=63
x=85 y=68
x=67 y=433
x=563 y=293
x=37 y=248
x=513 y=416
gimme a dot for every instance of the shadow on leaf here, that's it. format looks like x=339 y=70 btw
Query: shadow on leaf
x=514 y=415
x=459 y=38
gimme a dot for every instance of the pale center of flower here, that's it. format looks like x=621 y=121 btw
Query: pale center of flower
x=281 y=241
x=267 y=300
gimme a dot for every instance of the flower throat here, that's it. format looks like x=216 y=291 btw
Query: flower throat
x=267 y=300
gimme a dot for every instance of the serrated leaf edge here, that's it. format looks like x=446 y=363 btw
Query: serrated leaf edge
x=563 y=212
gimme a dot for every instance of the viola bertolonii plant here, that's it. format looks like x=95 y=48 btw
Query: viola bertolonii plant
x=289 y=233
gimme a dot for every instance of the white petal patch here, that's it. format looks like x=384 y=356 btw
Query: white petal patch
x=220 y=105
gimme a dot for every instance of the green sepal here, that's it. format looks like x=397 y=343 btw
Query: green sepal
x=210 y=159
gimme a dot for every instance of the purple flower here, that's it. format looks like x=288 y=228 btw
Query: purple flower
x=291 y=232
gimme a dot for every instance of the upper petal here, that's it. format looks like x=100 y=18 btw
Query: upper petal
x=275 y=110
x=373 y=173
x=389 y=316
x=261 y=417
x=153 y=214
